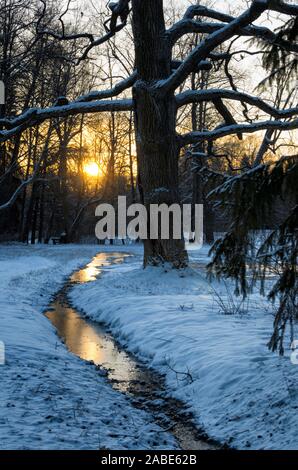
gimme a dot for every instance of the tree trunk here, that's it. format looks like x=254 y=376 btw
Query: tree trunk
x=198 y=193
x=132 y=184
x=63 y=222
x=157 y=145
x=209 y=223
x=29 y=215
x=34 y=220
x=41 y=213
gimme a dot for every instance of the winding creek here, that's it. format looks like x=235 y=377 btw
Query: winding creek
x=91 y=341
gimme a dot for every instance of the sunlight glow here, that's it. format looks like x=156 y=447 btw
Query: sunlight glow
x=91 y=168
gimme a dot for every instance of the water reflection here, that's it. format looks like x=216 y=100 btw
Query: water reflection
x=87 y=339
x=93 y=269
x=91 y=343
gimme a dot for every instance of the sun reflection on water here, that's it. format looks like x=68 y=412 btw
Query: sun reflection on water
x=87 y=339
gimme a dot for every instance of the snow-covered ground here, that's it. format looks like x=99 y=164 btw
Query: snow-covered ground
x=50 y=399
x=239 y=392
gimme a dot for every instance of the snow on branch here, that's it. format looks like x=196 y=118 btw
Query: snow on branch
x=205 y=47
x=197 y=96
x=195 y=137
x=115 y=91
x=188 y=26
x=219 y=33
x=283 y=7
x=35 y=115
x=200 y=10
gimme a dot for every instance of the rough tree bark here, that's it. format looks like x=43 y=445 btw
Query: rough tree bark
x=157 y=144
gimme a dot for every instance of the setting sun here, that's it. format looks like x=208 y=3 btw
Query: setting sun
x=91 y=168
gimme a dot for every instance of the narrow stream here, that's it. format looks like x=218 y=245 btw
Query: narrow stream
x=91 y=341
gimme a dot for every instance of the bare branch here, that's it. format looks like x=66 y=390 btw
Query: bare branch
x=189 y=25
x=200 y=10
x=263 y=148
x=18 y=191
x=202 y=51
x=225 y=113
x=33 y=177
x=115 y=91
x=81 y=212
x=120 y=10
x=53 y=34
x=195 y=137
x=283 y=7
x=197 y=96
x=35 y=115
x=275 y=5
x=109 y=35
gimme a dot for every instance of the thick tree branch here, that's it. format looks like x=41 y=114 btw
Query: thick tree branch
x=198 y=96
x=200 y=10
x=225 y=113
x=188 y=26
x=283 y=7
x=34 y=116
x=263 y=148
x=195 y=137
x=275 y=5
x=207 y=46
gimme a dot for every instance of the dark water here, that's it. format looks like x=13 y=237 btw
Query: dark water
x=90 y=341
